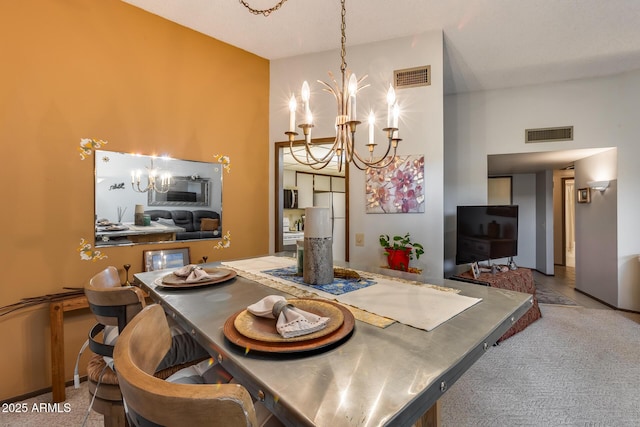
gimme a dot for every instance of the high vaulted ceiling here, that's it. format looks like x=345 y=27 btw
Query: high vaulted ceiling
x=488 y=44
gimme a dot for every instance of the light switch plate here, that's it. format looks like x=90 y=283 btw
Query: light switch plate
x=359 y=239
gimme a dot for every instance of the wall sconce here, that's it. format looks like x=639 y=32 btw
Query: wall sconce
x=598 y=185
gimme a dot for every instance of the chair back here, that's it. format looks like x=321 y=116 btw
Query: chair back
x=139 y=349
x=112 y=304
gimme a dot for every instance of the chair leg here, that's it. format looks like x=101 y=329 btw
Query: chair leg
x=115 y=416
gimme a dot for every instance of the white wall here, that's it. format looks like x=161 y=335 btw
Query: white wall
x=524 y=195
x=603 y=112
x=421 y=128
x=544 y=222
x=628 y=131
x=596 y=242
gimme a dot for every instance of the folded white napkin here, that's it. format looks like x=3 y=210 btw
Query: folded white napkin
x=292 y=322
x=193 y=274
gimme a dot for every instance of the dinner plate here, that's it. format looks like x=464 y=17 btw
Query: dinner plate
x=116 y=228
x=219 y=275
x=264 y=329
x=249 y=344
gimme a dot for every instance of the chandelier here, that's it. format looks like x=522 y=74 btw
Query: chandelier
x=158 y=182
x=343 y=148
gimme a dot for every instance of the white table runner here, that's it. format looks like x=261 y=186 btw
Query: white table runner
x=418 y=306
x=422 y=307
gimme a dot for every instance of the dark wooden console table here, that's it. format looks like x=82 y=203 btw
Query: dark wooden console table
x=520 y=280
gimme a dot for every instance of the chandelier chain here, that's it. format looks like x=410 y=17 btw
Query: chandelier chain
x=264 y=12
x=343 y=40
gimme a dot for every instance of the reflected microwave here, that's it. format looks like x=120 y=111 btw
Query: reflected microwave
x=290 y=198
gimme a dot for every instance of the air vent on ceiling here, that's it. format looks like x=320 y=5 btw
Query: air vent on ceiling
x=549 y=134
x=412 y=77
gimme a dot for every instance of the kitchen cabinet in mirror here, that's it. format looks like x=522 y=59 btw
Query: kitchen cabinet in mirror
x=185 y=204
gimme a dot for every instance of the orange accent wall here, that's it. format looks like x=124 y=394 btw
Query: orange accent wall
x=104 y=69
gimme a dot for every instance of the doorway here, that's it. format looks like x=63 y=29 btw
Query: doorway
x=285 y=167
x=568 y=222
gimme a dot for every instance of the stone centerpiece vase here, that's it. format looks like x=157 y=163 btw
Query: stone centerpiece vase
x=318 y=243
x=138 y=216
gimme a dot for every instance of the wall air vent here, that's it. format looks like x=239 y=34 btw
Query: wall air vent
x=412 y=77
x=548 y=134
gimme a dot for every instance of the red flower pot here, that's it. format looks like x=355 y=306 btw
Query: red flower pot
x=398 y=259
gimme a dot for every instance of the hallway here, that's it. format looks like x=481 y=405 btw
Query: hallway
x=564 y=282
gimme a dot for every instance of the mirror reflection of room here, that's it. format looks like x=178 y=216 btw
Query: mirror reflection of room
x=145 y=199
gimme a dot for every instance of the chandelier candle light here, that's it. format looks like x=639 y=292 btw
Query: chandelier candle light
x=343 y=148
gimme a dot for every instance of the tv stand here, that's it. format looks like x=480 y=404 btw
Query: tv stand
x=520 y=280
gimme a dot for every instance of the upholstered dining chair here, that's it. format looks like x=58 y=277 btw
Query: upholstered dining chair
x=152 y=401
x=114 y=306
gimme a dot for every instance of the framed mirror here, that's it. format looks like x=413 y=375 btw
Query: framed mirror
x=146 y=199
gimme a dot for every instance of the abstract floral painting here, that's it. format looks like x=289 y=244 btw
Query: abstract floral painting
x=397 y=188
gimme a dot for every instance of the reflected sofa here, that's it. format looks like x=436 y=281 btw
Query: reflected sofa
x=198 y=224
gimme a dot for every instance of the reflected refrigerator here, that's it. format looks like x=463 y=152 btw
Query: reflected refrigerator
x=336 y=202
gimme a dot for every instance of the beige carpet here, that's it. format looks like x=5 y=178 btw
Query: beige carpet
x=573 y=367
x=42 y=413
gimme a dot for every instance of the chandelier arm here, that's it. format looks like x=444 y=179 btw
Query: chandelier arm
x=161 y=191
x=315 y=167
x=325 y=160
x=365 y=165
x=313 y=164
x=379 y=164
x=151 y=186
x=389 y=149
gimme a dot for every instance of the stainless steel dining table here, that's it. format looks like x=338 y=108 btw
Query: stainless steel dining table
x=390 y=376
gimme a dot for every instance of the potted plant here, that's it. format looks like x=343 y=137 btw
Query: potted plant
x=400 y=250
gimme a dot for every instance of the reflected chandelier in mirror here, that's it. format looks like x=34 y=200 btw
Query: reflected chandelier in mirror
x=187 y=205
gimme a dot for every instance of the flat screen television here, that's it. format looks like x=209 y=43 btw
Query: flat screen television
x=486 y=233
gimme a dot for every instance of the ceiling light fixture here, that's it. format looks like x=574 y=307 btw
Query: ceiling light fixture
x=343 y=148
x=160 y=185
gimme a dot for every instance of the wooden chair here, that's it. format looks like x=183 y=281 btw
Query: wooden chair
x=114 y=306
x=149 y=399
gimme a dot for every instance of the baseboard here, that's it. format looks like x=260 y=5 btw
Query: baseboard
x=37 y=392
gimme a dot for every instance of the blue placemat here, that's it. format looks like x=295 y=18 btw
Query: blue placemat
x=337 y=287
